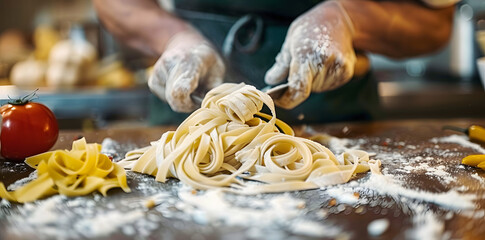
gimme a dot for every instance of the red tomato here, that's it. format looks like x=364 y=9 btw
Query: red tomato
x=27 y=129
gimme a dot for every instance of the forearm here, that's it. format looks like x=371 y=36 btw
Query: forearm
x=398 y=29
x=142 y=25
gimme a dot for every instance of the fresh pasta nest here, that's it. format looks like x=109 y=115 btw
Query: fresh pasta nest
x=72 y=173
x=229 y=140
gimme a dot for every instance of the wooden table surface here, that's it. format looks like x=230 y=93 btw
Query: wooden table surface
x=383 y=138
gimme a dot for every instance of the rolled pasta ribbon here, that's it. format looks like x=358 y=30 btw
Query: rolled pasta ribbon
x=229 y=139
x=72 y=173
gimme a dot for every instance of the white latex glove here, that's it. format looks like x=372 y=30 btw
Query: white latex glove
x=189 y=62
x=317 y=54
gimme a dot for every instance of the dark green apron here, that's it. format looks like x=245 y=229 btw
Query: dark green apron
x=249 y=34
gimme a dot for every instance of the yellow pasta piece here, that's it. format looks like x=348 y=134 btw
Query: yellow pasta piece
x=80 y=171
x=228 y=138
x=473 y=160
x=481 y=165
x=477 y=160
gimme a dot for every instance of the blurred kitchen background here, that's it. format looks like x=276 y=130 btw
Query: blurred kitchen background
x=91 y=81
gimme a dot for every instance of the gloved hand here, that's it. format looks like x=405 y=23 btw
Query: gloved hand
x=317 y=54
x=189 y=65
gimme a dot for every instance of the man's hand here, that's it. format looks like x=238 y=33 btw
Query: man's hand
x=317 y=54
x=188 y=65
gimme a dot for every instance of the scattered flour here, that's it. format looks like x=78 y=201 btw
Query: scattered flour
x=427 y=225
x=5 y=203
x=340 y=145
x=19 y=183
x=438 y=171
x=378 y=227
x=109 y=146
x=478 y=178
x=314 y=229
x=461 y=140
x=114 y=149
x=343 y=195
x=61 y=217
x=257 y=214
x=211 y=207
x=107 y=223
x=451 y=200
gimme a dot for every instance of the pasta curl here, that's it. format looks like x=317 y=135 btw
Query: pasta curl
x=72 y=173
x=229 y=139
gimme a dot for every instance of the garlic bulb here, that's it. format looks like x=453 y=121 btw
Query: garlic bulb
x=28 y=74
x=70 y=63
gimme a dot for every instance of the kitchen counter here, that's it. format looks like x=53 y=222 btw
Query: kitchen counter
x=431 y=96
x=428 y=201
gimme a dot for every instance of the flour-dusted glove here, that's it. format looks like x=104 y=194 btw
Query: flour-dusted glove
x=317 y=54
x=189 y=65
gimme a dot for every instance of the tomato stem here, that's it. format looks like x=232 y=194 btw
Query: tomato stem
x=25 y=99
